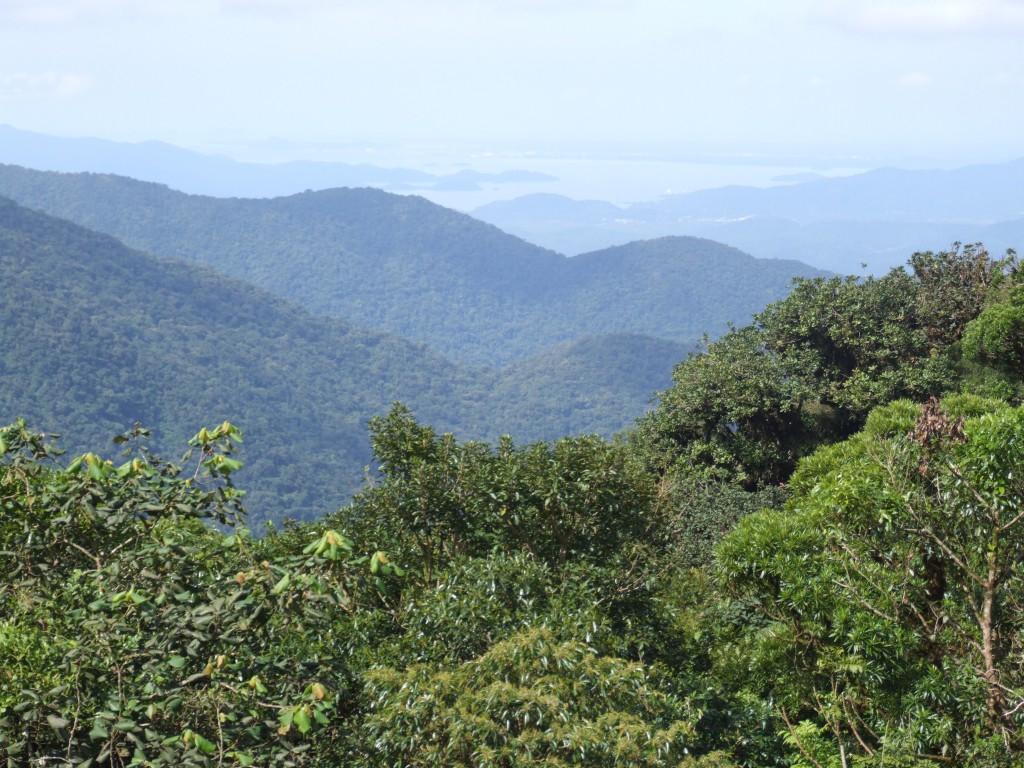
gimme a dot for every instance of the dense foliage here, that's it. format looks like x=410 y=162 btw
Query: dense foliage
x=811 y=367
x=133 y=634
x=885 y=598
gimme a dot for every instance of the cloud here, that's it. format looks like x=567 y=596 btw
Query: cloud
x=916 y=17
x=305 y=7
x=56 y=13
x=32 y=85
x=276 y=7
x=914 y=80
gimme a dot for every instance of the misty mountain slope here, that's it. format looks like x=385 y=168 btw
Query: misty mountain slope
x=543 y=207
x=575 y=386
x=1009 y=231
x=95 y=337
x=978 y=193
x=410 y=267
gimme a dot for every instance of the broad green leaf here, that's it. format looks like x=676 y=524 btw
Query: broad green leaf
x=205 y=746
x=302 y=720
x=282 y=585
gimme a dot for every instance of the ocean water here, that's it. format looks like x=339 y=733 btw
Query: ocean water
x=615 y=180
x=615 y=175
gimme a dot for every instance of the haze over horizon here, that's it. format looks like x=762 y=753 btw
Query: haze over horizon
x=862 y=83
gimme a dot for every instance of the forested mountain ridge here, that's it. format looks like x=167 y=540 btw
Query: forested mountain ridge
x=95 y=337
x=575 y=387
x=405 y=265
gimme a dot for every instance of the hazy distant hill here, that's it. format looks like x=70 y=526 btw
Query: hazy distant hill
x=405 y=265
x=878 y=217
x=221 y=176
x=979 y=193
x=577 y=385
x=95 y=336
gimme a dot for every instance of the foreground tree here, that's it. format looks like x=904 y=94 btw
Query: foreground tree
x=533 y=625
x=884 y=603
x=530 y=700
x=736 y=413
x=811 y=367
x=994 y=340
x=954 y=287
x=579 y=500
x=133 y=633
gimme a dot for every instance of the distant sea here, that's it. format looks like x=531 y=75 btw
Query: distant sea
x=612 y=174
x=618 y=181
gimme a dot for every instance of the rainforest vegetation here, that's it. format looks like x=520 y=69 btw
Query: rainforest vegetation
x=95 y=337
x=807 y=554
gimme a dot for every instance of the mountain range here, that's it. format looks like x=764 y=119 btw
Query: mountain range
x=877 y=218
x=868 y=222
x=402 y=264
x=95 y=337
x=221 y=176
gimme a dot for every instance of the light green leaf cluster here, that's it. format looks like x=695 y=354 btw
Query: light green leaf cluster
x=530 y=700
x=888 y=589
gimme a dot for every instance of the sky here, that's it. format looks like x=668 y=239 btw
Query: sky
x=941 y=77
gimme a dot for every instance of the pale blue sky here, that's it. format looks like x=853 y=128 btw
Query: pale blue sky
x=944 y=77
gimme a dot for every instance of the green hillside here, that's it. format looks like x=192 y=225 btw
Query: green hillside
x=582 y=386
x=405 y=265
x=96 y=336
